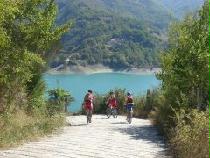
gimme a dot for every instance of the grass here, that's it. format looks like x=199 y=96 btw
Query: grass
x=20 y=127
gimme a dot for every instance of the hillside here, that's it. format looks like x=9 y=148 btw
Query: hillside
x=180 y=8
x=147 y=11
x=102 y=35
x=116 y=33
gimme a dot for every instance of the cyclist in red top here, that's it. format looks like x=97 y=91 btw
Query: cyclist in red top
x=112 y=105
x=112 y=101
x=88 y=105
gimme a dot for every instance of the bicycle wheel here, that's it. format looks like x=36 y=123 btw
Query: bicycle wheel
x=88 y=116
x=114 y=113
x=130 y=117
x=108 y=112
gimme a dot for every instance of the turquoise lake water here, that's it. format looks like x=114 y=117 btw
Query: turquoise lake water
x=101 y=83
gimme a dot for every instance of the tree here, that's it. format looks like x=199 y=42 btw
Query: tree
x=27 y=31
x=185 y=66
x=59 y=100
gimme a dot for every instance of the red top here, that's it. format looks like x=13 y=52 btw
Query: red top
x=112 y=102
x=130 y=100
x=89 y=100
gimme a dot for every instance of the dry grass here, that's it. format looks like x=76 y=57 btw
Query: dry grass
x=19 y=127
x=191 y=139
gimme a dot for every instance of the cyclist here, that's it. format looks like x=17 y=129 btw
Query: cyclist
x=88 y=105
x=112 y=105
x=129 y=106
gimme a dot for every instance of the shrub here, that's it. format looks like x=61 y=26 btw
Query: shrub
x=100 y=104
x=190 y=138
x=145 y=104
x=58 y=101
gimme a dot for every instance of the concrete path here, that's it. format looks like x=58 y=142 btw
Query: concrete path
x=104 y=138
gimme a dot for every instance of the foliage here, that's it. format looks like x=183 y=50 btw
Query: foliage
x=27 y=33
x=185 y=66
x=145 y=104
x=58 y=100
x=185 y=87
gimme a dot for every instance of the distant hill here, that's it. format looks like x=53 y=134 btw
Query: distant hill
x=115 y=33
x=180 y=8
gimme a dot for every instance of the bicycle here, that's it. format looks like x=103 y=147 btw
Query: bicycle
x=89 y=113
x=129 y=109
x=111 y=111
x=89 y=116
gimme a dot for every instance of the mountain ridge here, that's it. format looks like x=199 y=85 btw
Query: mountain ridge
x=180 y=8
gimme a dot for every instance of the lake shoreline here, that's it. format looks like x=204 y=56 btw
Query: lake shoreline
x=94 y=69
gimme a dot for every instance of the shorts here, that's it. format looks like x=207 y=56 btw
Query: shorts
x=129 y=107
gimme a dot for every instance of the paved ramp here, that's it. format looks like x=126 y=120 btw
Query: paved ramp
x=104 y=138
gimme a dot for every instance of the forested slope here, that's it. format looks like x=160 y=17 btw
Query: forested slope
x=117 y=33
x=101 y=34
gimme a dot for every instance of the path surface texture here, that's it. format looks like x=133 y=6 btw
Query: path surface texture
x=103 y=138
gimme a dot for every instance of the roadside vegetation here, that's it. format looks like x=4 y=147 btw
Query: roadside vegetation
x=182 y=108
x=27 y=36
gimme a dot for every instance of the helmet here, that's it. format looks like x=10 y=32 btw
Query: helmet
x=111 y=92
x=128 y=94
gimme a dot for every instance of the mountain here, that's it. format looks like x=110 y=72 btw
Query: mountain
x=102 y=35
x=180 y=8
x=115 y=33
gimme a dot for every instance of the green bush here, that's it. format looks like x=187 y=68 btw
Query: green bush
x=145 y=104
x=100 y=104
x=58 y=101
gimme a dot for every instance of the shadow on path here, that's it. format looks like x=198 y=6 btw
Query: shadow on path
x=118 y=123
x=147 y=133
x=102 y=118
x=75 y=125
